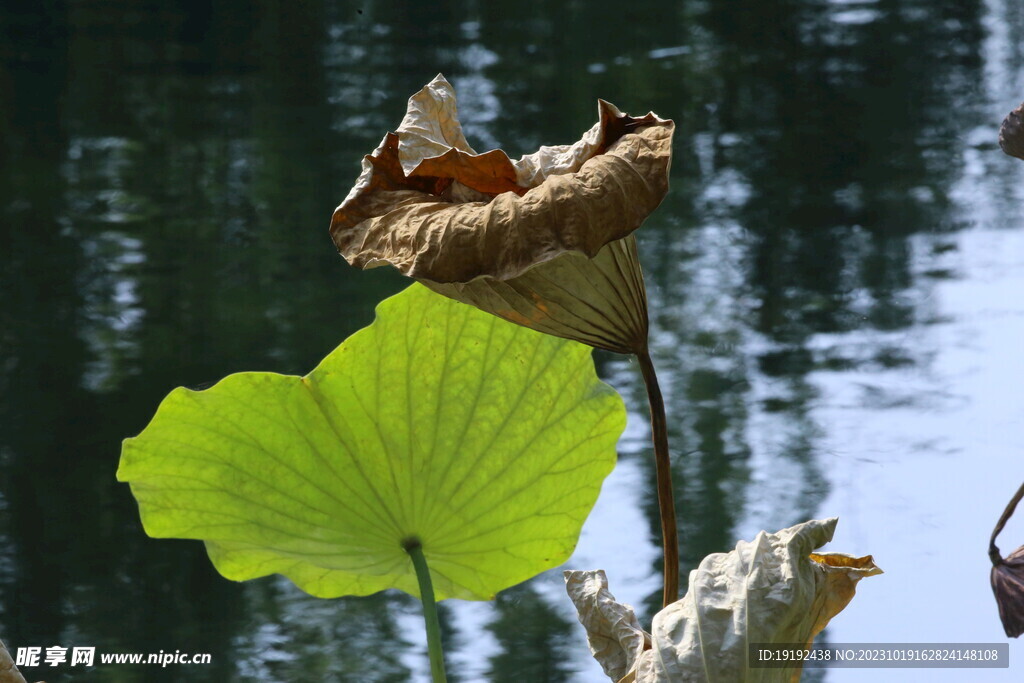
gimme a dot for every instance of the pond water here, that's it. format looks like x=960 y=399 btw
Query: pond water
x=835 y=281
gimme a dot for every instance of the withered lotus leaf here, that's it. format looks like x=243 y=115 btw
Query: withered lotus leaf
x=772 y=590
x=1008 y=587
x=544 y=241
x=1008 y=576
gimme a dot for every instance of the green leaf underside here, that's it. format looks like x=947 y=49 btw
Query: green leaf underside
x=486 y=440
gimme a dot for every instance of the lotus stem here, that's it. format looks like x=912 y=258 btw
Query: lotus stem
x=993 y=551
x=419 y=562
x=663 y=470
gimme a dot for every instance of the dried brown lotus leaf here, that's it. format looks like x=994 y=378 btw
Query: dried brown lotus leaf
x=431 y=144
x=490 y=173
x=1008 y=587
x=544 y=241
x=431 y=125
x=1007 y=575
x=600 y=301
x=381 y=187
x=612 y=124
x=431 y=238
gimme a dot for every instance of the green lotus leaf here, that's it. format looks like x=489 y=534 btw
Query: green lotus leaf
x=484 y=440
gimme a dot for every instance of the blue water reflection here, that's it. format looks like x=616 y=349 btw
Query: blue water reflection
x=834 y=281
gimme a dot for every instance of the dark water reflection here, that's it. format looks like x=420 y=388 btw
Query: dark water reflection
x=168 y=172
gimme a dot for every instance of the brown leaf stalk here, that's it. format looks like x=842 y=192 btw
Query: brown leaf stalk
x=663 y=471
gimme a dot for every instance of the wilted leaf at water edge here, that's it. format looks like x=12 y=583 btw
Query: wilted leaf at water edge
x=485 y=440
x=772 y=590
